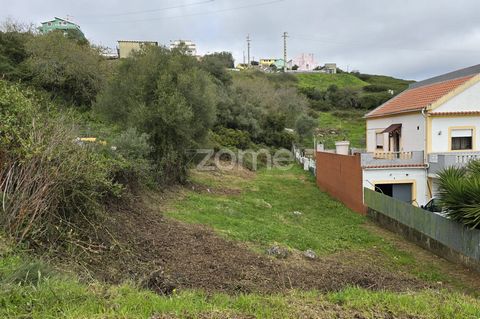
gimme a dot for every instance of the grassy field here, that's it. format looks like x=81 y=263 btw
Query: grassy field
x=340 y=126
x=386 y=81
x=264 y=214
x=322 y=81
x=257 y=210
x=35 y=296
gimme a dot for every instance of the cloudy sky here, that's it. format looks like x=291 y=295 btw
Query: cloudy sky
x=411 y=39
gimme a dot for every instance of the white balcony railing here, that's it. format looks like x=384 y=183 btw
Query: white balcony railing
x=439 y=161
x=392 y=158
x=393 y=155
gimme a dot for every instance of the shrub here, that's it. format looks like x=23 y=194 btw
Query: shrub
x=375 y=88
x=134 y=151
x=48 y=181
x=65 y=68
x=231 y=138
x=459 y=190
x=305 y=125
x=167 y=95
x=372 y=100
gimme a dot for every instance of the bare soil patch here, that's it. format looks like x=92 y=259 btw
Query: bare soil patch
x=165 y=254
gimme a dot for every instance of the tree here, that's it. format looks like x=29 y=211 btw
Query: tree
x=305 y=125
x=12 y=53
x=65 y=68
x=217 y=64
x=167 y=95
x=460 y=193
x=295 y=67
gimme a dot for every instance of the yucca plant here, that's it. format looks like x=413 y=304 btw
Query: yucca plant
x=459 y=192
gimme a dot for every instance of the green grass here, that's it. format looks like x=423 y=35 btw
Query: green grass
x=339 y=126
x=387 y=81
x=322 y=81
x=61 y=296
x=264 y=214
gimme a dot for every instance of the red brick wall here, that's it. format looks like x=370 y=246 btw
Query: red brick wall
x=341 y=177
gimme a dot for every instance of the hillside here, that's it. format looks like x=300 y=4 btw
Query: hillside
x=339 y=102
x=322 y=81
x=202 y=252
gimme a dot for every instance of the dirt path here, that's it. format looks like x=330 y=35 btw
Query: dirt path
x=166 y=254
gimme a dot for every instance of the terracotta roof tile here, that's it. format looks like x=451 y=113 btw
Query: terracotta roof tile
x=417 y=98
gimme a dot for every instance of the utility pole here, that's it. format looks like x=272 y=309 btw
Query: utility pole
x=285 y=36
x=248 y=49
x=244 y=57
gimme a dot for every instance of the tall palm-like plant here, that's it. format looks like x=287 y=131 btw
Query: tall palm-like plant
x=460 y=193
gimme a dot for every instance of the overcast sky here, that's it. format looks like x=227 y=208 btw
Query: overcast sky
x=411 y=39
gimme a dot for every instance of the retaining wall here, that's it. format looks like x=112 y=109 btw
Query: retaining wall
x=442 y=236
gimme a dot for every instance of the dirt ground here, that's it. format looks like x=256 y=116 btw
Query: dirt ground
x=165 y=254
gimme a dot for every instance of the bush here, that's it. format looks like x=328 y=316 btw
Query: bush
x=375 y=88
x=305 y=125
x=49 y=182
x=231 y=138
x=65 y=68
x=372 y=100
x=133 y=150
x=167 y=95
x=12 y=53
x=459 y=190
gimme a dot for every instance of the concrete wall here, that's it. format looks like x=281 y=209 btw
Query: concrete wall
x=341 y=177
x=416 y=176
x=440 y=130
x=431 y=231
x=413 y=132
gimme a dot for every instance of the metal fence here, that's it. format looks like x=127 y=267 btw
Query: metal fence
x=308 y=163
x=447 y=232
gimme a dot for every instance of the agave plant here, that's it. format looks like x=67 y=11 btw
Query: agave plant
x=459 y=193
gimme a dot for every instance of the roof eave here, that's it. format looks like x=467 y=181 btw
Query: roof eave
x=367 y=116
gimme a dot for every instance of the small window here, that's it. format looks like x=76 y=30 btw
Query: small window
x=379 y=140
x=462 y=139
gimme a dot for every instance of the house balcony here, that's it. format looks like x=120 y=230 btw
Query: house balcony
x=393 y=159
x=439 y=161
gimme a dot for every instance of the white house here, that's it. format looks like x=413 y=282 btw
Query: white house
x=189 y=45
x=434 y=124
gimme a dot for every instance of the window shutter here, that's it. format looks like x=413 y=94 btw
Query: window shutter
x=462 y=133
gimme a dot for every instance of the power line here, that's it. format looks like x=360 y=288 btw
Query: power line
x=358 y=44
x=159 y=9
x=196 y=14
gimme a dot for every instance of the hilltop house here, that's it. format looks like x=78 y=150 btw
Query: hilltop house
x=278 y=63
x=127 y=47
x=304 y=62
x=59 y=24
x=190 y=46
x=434 y=124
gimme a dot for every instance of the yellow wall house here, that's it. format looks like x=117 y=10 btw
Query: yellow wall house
x=432 y=125
x=126 y=47
x=267 y=62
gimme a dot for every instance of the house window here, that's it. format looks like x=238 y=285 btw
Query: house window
x=379 y=140
x=462 y=139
